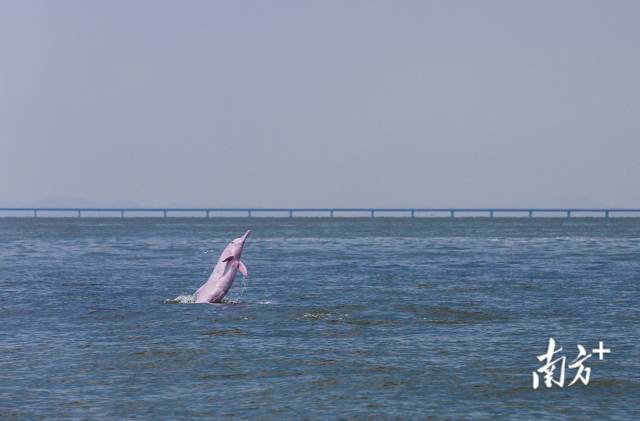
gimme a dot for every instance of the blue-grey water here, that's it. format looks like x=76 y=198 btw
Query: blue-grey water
x=392 y=318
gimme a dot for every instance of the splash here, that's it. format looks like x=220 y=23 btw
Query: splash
x=191 y=298
x=182 y=299
x=245 y=284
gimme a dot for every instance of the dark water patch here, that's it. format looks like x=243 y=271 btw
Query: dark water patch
x=619 y=385
x=225 y=332
x=369 y=322
x=449 y=315
x=227 y=376
x=384 y=369
x=167 y=352
x=323 y=361
x=345 y=318
x=325 y=382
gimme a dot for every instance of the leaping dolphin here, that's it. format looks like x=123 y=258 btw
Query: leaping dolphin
x=229 y=263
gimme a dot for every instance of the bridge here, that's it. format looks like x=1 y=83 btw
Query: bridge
x=326 y=212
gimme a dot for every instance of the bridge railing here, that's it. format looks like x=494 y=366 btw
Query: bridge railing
x=326 y=212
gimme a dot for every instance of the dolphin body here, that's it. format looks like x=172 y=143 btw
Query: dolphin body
x=229 y=263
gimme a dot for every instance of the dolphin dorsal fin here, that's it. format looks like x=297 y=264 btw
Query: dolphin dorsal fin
x=243 y=269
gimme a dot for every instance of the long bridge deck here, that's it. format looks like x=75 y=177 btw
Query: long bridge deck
x=326 y=212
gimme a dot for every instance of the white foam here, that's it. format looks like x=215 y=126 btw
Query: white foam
x=183 y=299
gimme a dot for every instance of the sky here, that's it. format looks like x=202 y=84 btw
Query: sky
x=320 y=103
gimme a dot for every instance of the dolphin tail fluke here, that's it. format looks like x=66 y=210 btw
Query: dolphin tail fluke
x=243 y=269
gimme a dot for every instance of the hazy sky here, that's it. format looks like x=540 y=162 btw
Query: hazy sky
x=320 y=103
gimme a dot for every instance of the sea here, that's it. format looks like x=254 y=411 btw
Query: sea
x=340 y=318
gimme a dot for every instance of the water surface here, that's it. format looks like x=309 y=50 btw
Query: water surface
x=341 y=318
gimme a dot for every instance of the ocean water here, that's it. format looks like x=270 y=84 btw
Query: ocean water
x=385 y=318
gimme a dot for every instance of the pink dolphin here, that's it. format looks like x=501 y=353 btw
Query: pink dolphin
x=224 y=273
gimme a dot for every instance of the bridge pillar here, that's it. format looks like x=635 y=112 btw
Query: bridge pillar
x=290 y=213
x=606 y=214
x=491 y=214
x=164 y=212
x=372 y=213
x=452 y=213
x=249 y=213
x=568 y=214
x=530 y=214
x=35 y=213
x=331 y=213
x=78 y=213
x=121 y=214
x=413 y=213
x=207 y=212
